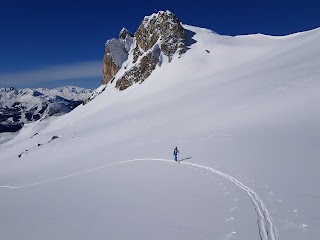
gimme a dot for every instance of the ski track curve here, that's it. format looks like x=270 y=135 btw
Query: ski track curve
x=266 y=229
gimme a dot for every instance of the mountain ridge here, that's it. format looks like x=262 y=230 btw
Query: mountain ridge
x=20 y=106
x=158 y=36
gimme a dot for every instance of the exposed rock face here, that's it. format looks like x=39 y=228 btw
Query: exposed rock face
x=140 y=72
x=109 y=69
x=159 y=35
x=116 y=52
x=163 y=26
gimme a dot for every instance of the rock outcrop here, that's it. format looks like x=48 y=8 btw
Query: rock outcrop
x=158 y=36
x=116 y=52
x=164 y=28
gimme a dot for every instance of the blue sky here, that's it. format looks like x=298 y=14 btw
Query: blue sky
x=57 y=43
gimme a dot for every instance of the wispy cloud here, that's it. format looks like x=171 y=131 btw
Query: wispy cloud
x=80 y=70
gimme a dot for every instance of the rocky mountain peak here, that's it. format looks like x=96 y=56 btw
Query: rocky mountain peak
x=163 y=27
x=126 y=38
x=8 y=89
x=124 y=33
x=116 y=53
x=159 y=35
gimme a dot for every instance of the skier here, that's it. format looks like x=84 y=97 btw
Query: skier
x=175 y=154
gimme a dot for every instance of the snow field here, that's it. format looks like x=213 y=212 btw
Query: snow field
x=246 y=112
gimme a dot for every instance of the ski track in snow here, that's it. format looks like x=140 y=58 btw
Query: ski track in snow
x=266 y=229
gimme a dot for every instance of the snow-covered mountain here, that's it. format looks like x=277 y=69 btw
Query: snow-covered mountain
x=243 y=112
x=20 y=106
x=158 y=36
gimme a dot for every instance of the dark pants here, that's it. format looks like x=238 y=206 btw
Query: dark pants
x=175 y=157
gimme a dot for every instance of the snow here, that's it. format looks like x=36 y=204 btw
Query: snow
x=57 y=109
x=245 y=118
x=6 y=136
x=117 y=51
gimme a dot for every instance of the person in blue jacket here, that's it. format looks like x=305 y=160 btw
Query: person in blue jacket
x=175 y=154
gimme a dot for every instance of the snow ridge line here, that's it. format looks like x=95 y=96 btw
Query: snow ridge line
x=266 y=229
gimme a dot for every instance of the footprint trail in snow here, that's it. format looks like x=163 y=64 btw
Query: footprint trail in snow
x=265 y=226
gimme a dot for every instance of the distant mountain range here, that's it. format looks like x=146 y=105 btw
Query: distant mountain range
x=20 y=106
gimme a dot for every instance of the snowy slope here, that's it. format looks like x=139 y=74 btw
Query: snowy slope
x=243 y=111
